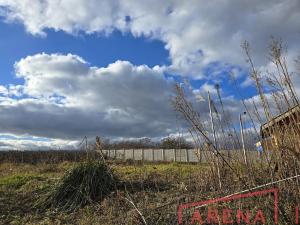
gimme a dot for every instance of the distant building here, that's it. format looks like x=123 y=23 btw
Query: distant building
x=283 y=131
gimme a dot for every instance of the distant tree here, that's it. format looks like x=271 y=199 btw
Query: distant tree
x=130 y=144
x=175 y=143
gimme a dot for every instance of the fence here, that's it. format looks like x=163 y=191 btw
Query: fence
x=177 y=155
x=166 y=155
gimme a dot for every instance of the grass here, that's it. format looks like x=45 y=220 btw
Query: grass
x=22 y=185
x=16 y=181
x=155 y=189
x=181 y=169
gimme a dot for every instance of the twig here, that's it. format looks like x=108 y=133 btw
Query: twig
x=138 y=211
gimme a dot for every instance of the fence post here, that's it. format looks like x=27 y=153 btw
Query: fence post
x=108 y=153
x=163 y=155
x=180 y=155
x=199 y=153
x=124 y=156
x=187 y=155
x=133 y=156
x=115 y=153
x=143 y=155
x=152 y=154
x=175 y=158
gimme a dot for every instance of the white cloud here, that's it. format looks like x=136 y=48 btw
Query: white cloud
x=247 y=82
x=23 y=142
x=206 y=87
x=64 y=97
x=195 y=32
x=3 y=90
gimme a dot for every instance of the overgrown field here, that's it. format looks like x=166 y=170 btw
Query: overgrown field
x=156 y=190
x=149 y=186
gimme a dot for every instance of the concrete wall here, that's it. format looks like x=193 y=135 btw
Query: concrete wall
x=178 y=155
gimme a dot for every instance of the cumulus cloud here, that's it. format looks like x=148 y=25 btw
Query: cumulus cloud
x=195 y=32
x=64 y=104
x=65 y=97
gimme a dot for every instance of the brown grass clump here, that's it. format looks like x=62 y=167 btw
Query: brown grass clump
x=86 y=183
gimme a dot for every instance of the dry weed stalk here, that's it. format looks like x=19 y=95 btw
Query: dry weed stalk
x=283 y=96
x=275 y=92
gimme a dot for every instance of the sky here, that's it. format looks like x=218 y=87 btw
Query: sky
x=75 y=68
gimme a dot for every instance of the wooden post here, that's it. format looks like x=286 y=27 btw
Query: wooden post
x=243 y=142
x=133 y=156
x=212 y=122
x=108 y=153
x=115 y=153
x=143 y=155
x=124 y=156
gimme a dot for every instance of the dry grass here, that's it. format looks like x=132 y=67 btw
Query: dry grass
x=156 y=190
x=84 y=184
x=149 y=186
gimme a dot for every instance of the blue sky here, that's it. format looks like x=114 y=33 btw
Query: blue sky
x=97 y=49
x=87 y=69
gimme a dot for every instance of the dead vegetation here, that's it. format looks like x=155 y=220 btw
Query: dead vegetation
x=85 y=184
x=276 y=94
